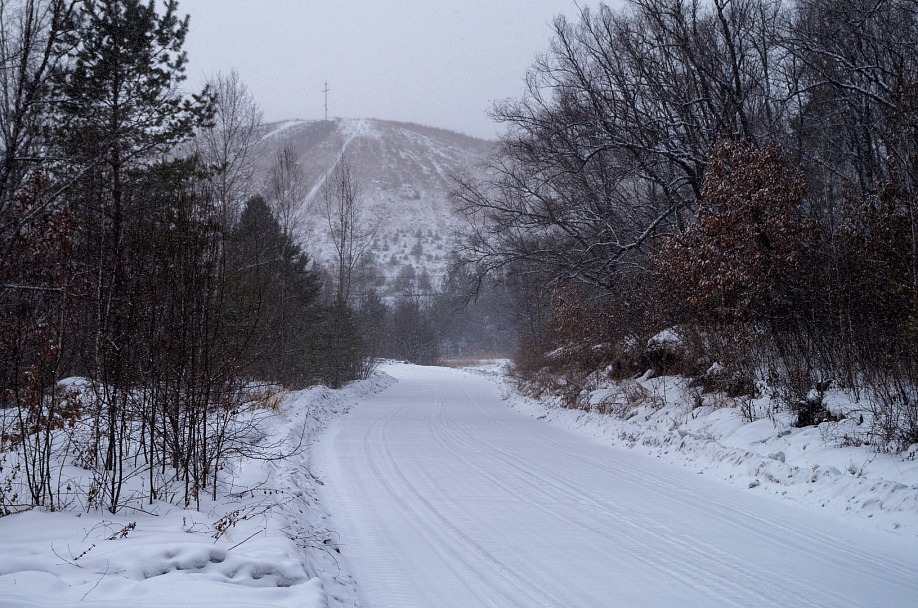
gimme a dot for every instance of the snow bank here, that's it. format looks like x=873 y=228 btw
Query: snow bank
x=262 y=543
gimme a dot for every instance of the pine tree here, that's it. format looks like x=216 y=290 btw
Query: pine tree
x=118 y=108
x=119 y=100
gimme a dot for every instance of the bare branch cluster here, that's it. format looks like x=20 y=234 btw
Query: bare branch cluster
x=742 y=169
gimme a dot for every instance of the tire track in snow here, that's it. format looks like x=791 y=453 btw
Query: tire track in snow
x=441 y=526
x=802 y=539
x=460 y=479
x=702 y=551
x=700 y=561
x=440 y=535
x=392 y=576
x=834 y=550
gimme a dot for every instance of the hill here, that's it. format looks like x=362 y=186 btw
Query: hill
x=404 y=178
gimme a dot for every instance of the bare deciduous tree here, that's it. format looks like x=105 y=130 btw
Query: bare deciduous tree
x=606 y=152
x=286 y=190
x=681 y=125
x=350 y=229
x=231 y=144
x=30 y=34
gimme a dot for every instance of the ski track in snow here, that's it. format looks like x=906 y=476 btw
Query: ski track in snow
x=283 y=127
x=356 y=129
x=444 y=496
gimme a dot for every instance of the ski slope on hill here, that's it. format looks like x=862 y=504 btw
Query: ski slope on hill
x=403 y=175
x=443 y=496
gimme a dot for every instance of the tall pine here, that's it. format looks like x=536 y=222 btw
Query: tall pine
x=119 y=108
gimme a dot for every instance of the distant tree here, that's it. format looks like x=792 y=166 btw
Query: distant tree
x=424 y=284
x=351 y=235
x=406 y=282
x=350 y=230
x=472 y=317
x=272 y=300
x=286 y=190
x=367 y=277
x=372 y=318
x=342 y=356
x=230 y=144
x=411 y=335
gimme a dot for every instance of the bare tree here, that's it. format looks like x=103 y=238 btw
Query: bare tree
x=30 y=33
x=37 y=273
x=351 y=236
x=118 y=108
x=350 y=230
x=231 y=144
x=607 y=151
x=286 y=190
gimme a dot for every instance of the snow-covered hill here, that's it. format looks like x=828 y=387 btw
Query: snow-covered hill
x=404 y=178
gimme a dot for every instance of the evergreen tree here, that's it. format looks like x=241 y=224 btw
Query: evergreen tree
x=271 y=299
x=117 y=108
x=341 y=357
x=118 y=94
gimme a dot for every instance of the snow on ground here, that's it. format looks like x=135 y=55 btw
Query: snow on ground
x=444 y=496
x=262 y=543
x=431 y=491
x=827 y=468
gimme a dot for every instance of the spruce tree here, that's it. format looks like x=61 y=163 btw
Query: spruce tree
x=272 y=302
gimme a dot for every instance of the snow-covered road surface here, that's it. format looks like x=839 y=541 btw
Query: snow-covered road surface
x=443 y=496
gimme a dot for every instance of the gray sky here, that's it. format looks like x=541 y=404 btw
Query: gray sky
x=435 y=62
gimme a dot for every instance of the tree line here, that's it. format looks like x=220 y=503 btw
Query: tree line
x=744 y=171
x=140 y=250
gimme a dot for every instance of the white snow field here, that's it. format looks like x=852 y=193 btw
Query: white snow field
x=263 y=543
x=444 y=496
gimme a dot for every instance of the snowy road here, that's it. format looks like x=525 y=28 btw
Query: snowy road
x=443 y=496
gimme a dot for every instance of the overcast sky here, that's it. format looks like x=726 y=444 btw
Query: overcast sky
x=436 y=62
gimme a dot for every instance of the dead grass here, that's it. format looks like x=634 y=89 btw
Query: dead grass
x=268 y=397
